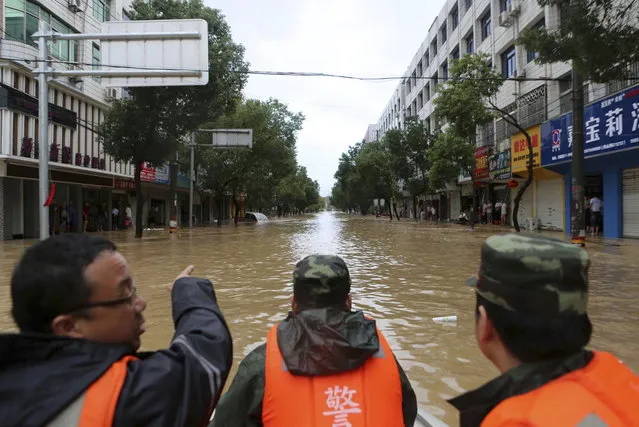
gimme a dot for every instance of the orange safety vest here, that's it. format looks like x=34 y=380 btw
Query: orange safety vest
x=604 y=392
x=96 y=406
x=369 y=396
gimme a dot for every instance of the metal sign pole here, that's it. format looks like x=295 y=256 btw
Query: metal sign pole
x=43 y=117
x=192 y=179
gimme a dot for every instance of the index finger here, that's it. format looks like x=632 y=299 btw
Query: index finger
x=187 y=271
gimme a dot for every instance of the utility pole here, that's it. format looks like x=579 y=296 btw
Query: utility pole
x=577 y=210
x=192 y=173
x=43 y=101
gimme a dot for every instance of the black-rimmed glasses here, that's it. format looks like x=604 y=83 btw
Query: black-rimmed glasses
x=110 y=303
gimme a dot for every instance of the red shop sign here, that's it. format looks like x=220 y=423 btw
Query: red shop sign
x=124 y=185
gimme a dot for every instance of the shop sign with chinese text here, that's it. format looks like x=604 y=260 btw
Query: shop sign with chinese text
x=610 y=124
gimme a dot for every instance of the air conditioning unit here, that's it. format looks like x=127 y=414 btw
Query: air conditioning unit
x=504 y=19
x=513 y=7
x=520 y=74
x=75 y=6
x=110 y=94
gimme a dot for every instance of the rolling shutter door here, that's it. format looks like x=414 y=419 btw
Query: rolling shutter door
x=550 y=203
x=631 y=203
x=525 y=204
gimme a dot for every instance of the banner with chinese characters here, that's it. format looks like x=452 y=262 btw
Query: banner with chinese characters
x=499 y=166
x=158 y=175
x=519 y=150
x=610 y=124
x=481 y=162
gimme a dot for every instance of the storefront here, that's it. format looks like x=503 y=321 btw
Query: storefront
x=482 y=176
x=157 y=196
x=543 y=199
x=631 y=202
x=21 y=210
x=611 y=142
x=500 y=173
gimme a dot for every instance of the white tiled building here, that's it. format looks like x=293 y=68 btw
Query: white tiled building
x=492 y=26
x=79 y=167
x=85 y=176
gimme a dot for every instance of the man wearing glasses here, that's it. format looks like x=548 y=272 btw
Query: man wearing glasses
x=75 y=360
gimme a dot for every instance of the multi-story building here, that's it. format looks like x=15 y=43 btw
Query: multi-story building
x=86 y=178
x=533 y=93
x=371 y=134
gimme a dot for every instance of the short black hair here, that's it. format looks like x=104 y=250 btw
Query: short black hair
x=49 y=279
x=535 y=338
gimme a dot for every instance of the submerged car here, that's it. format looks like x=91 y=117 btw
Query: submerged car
x=255 y=217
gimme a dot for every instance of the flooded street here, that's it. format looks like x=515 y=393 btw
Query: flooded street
x=404 y=274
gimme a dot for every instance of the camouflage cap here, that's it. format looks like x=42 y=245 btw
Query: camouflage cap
x=321 y=281
x=533 y=275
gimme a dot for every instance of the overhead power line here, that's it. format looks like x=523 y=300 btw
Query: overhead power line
x=300 y=73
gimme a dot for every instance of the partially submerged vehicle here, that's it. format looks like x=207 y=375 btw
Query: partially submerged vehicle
x=255 y=217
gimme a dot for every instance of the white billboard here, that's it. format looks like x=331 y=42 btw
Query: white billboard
x=154 y=52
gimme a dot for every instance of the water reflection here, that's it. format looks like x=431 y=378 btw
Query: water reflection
x=404 y=274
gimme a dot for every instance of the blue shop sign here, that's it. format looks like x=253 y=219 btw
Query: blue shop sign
x=610 y=124
x=183 y=181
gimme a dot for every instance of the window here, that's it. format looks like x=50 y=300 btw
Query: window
x=21 y=22
x=445 y=71
x=426 y=59
x=125 y=15
x=485 y=26
x=531 y=56
x=444 y=33
x=101 y=10
x=455 y=53
x=470 y=44
x=420 y=71
x=508 y=63
x=503 y=5
x=454 y=17
x=96 y=58
x=468 y=4
x=433 y=47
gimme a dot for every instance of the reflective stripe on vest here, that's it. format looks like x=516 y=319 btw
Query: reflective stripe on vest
x=369 y=396
x=603 y=393
x=96 y=406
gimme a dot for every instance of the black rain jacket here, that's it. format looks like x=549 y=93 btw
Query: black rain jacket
x=40 y=375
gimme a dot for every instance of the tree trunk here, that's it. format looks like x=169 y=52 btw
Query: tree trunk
x=522 y=190
x=395 y=210
x=139 y=197
x=220 y=207
x=415 y=208
x=173 y=173
x=390 y=209
x=236 y=216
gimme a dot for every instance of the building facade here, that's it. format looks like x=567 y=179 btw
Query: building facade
x=89 y=184
x=84 y=175
x=533 y=93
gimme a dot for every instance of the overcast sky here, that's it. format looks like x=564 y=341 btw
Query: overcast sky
x=353 y=37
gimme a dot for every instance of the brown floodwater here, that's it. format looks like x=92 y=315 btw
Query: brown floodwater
x=404 y=274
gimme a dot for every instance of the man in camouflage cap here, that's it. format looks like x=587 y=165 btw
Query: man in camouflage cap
x=531 y=322
x=324 y=358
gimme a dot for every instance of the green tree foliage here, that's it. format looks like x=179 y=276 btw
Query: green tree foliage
x=413 y=160
x=297 y=193
x=148 y=125
x=261 y=170
x=366 y=172
x=449 y=155
x=465 y=102
x=599 y=37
